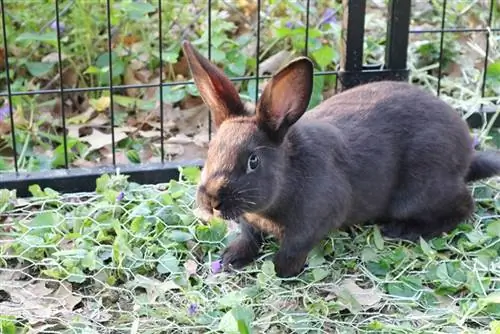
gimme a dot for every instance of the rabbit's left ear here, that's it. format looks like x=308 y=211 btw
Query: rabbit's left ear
x=285 y=98
x=216 y=90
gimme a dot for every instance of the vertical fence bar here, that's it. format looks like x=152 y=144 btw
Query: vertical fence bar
x=487 y=49
x=110 y=87
x=306 y=47
x=160 y=33
x=351 y=44
x=61 y=87
x=441 y=46
x=396 y=47
x=9 y=92
x=209 y=58
x=257 y=63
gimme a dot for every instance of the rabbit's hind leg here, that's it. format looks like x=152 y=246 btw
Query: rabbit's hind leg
x=429 y=212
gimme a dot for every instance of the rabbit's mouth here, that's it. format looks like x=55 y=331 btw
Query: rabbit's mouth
x=227 y=214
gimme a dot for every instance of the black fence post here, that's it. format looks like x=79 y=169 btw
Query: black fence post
x=398 y=28
x=352 y=71
x=351 y=44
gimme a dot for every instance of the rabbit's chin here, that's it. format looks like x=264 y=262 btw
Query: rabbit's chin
x=228 y=214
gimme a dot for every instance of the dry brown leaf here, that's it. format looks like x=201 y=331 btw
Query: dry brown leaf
x=82 y=118
x=174 y=149
x=191 y=267
x=33 y=301
x=274 y=63
x=73 y=131
x=150 y=134
x=53 y=57
x=179 y=139
x=130 y=79
x=98 y=139
x=70 y=77
x=364 y=297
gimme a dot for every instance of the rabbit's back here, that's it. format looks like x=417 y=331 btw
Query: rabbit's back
x=395 y=133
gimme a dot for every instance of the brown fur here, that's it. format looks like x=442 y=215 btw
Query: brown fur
x=387 y=152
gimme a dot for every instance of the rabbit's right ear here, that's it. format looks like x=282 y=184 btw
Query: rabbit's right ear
x=216 y=90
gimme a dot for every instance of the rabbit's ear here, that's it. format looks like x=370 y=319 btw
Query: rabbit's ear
x=286 y=97
x=216 y=90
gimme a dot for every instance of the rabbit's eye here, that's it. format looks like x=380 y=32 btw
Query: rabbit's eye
x=253 y=162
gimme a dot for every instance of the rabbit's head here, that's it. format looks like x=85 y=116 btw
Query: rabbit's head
x=247 y=157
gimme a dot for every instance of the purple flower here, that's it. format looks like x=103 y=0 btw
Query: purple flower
x=192 y=309
x=216 y=266
x=4 y=111
x=53 y=26
x=291 y=25
x=328 y=17
x=120 y=196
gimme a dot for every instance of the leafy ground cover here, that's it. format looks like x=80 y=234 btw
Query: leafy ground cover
x=131 y=258
x=135 y=54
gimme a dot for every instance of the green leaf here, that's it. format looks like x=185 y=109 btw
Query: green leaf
x=50 y=37
x=492 y=298
x=191 y=174
x=317 y=92
x=232 y=299
x=180 y=236
x=215 y=231
x=324 y=56
x=173 y=94
x=493 y=229
x=495 y=327
x=319 y=274
x=168 y=263
x=58 y=159
x=237 y=320
x=36 y=190
x=133 y=156
x=46 y=219
x=7 y=326
x=238 y=65
x=401 y=290
x=92 y=70
x=493 y=73
x=39 y=69
x=377 y=238
x=268 y=268
x=426 y=248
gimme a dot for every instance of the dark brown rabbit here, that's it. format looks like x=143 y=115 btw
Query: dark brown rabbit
x=387 y=152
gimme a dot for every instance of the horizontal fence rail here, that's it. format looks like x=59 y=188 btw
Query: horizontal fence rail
x=352 y=71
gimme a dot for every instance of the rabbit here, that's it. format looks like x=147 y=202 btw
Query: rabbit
x=387 y=152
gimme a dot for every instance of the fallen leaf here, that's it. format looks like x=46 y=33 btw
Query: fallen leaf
x=53 y=57
x=191 y=267
x=350 y=292
x=130 y=79
x=101 y=103
x=274 y=62
x=82 y=118
x=180 y=139
x=99 y=139
x=154 y=287
x=174 y=149
x=33 y=301
x=150 y=134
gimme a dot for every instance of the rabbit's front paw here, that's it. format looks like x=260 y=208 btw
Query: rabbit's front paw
x=239 y=253
x=287 y=265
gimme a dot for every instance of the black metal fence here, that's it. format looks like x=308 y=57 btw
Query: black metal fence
x=351 y=72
